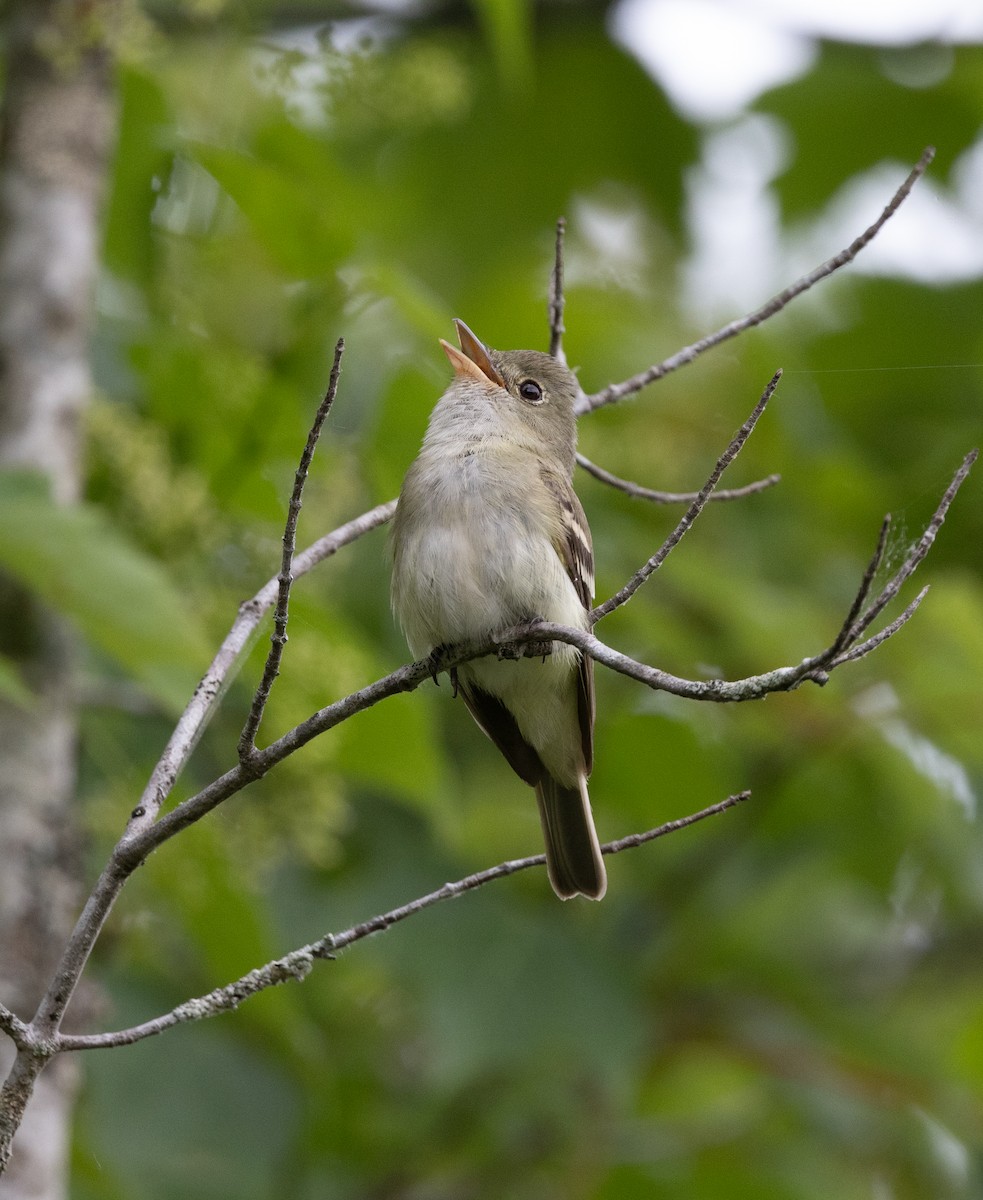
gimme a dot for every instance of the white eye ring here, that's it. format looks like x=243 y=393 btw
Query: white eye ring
x=531 y=392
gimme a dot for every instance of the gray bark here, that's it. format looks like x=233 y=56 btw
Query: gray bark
x=54 y=148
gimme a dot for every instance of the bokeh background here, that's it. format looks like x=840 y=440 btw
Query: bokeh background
x=784 y=1002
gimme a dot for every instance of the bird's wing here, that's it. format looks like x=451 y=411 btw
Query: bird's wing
x=576 y=551
x=498 y=723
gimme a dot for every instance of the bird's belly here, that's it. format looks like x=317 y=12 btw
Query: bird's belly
x=476 y=570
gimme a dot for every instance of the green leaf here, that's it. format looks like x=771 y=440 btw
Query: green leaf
x=121 y=601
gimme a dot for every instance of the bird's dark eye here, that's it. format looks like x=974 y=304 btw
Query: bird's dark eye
x=530 y=390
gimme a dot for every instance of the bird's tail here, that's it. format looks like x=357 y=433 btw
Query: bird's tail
x=573 y=856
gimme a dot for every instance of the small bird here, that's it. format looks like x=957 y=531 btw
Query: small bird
x=488 y=534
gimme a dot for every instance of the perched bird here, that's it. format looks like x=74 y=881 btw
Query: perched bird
x=488 y=534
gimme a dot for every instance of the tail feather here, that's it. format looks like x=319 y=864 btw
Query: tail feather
x=573 y=856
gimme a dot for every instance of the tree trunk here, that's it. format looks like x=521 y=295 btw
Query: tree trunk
x=54 y=148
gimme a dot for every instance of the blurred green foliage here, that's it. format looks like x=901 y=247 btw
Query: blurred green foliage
x=784 y=1002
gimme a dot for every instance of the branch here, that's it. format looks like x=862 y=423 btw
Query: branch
x=278 y=639
x=14 y=1027
x=844 y=648
x=143 y=819
x=209 y=691
x=864 y=648
x=556 y=300
x=618 y=391
x=134 y=849
x=644 y=493
x=298 y=963
x=216 y=679
x=146 y=830
x=136 y=845
x=918 y=551
x=723 y=462
x=844 y=638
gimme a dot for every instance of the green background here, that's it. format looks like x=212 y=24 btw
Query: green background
x=785 y=1001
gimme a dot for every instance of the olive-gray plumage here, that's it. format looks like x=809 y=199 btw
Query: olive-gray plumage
x=489 y=533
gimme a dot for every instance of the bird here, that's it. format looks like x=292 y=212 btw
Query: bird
x=488 y=534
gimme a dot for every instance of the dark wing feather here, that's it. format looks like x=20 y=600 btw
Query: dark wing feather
x=576 y=552
x=498 y=723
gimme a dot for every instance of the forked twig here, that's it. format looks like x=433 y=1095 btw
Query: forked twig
x=918 y=551
x=864 y=648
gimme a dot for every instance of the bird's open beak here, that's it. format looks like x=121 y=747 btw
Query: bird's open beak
x=472 y=359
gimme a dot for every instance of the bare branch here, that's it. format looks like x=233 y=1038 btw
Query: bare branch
x=278 y=639
x=618 y=391
x=219 y=674
x=845 y=636
x=631 y=587
x=639 y=839
x=724 y=691
x=216 y=678
x=816 y=669
x=295 y=965
x=919 y=550
x=644 y=493
x=556 y=299
x=132 y=850
x=298 y=963
x=135 y=845
x=864 y=648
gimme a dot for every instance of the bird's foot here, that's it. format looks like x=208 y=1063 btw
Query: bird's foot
x=517 y=650
x=435 y=664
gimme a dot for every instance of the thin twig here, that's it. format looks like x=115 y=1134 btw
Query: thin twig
x=556 y=298
x=618 y=391
x=864 y=648
x=919 y=550
x=846 y=634
x=639 y=839
x=278 y=639
x=631 y=587
x=844 y=647
x=216 y=679
x=225 y=999
x=644 y=493
x=298 y=963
